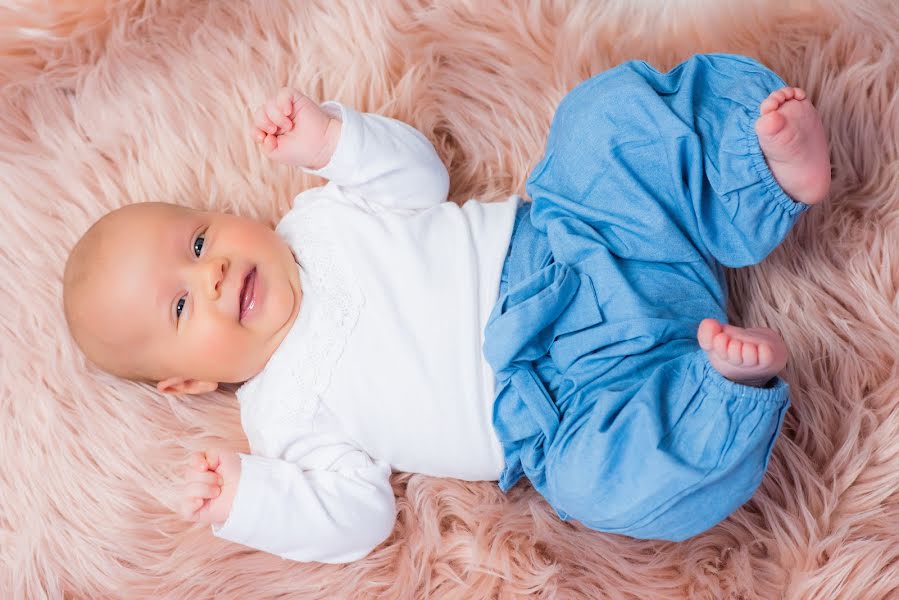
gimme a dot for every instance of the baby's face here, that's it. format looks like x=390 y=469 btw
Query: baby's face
x=206 y=297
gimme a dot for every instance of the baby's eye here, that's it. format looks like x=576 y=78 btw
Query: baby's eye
x=179 y=306
x=198 y=244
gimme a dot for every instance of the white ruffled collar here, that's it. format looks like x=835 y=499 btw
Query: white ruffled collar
x=300 y=369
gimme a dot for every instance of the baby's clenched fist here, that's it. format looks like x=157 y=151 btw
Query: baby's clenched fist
x=211 y=480
x=294 y=130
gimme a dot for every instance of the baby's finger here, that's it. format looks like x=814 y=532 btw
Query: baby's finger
x=202 y=490
x=258 y=135
x=270 y=144
x=285 y=101
x=263 y=122
x=197 y=461
x=212 y=455
x=209 y=477
x=274 y=114
x=188 y=508
x=203 y=514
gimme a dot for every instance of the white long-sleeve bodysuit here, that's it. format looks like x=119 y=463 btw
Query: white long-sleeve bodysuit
x=382 y=369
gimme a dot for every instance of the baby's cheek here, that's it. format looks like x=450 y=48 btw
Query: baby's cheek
x=220 y=344
x=253 y=236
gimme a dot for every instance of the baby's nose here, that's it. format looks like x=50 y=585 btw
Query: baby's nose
x=216 y=268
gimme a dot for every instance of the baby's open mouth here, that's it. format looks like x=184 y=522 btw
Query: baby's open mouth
x=248 y=293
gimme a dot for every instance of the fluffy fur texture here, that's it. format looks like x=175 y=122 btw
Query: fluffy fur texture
x=108 y=103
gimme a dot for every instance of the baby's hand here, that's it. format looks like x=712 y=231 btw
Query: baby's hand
x=294 y=130
x=211 y=483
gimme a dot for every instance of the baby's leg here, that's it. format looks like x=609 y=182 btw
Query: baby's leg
x=662 y=458
x=678 y=167
x=792 y=140
x=711 y=162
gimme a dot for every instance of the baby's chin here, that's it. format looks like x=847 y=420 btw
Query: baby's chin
x=239 y=376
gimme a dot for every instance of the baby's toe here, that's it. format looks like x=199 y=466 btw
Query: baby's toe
x=766 y=354
x=750 y=354
x=708 y=329
x=719 y=344
x=769 y=124
x=735 y=352
x=772 y=102
x=767 y=105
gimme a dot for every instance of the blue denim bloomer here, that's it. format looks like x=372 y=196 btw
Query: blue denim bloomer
x=651 y=183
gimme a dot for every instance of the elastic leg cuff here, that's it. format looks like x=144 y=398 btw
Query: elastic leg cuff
x=777 y=193
x=775 y=393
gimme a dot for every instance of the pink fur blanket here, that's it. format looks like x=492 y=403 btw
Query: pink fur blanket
x=108 y=103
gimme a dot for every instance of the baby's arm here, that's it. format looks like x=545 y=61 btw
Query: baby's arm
x=372 y=159
x=322 y=500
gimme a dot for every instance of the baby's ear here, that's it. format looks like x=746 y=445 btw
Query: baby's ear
x=182 y=385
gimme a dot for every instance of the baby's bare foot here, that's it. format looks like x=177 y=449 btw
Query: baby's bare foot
x=794 y=144
x=747 y=356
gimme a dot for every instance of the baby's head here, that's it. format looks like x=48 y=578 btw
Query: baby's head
x=185 y=298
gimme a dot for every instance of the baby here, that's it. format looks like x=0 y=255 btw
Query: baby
x=577 y=340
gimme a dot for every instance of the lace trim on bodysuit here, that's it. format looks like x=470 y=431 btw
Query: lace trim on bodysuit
x=338 y=300
x=300 y=370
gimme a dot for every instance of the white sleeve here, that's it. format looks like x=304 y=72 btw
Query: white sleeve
x=323 y=500
x=384 y=162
